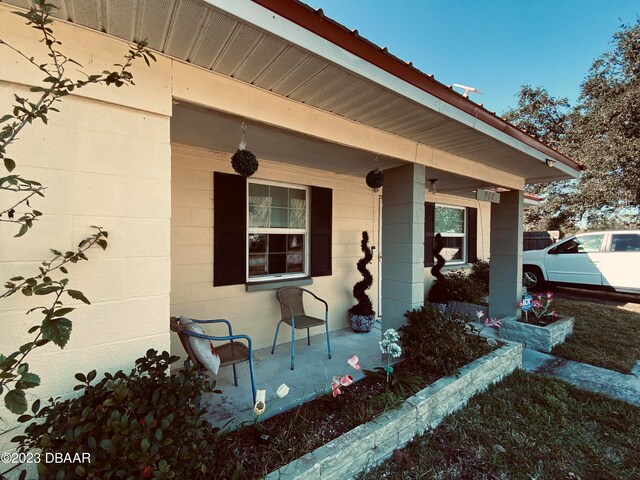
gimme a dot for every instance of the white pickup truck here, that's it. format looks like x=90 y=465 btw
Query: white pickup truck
x=602 y=260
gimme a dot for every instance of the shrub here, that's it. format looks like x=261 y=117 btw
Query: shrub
x=480 y=275
x=457 y=286
x=441 y=341
x=147 y=424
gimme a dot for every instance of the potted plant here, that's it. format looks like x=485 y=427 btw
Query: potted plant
x=362 y=315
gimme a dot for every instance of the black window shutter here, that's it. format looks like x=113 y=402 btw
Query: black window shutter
x=229 y=229
x=321 y=218
x=472 y=234
x=429 y=227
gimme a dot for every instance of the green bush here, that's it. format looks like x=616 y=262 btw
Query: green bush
x=480 y=275
x=441 y=341
x=457 y=286
x=147 y=424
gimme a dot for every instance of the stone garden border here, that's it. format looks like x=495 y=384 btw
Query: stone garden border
x=371 y=443
x=535 y=337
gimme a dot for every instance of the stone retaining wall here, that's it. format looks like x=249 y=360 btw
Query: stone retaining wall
x=368 y=445
x=538 y=338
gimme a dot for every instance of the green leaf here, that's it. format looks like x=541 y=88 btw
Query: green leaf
x=46 y=289
x=78 y=295
x=28 y=380
x=5 y=118
x=63 y=311
x=16 y=401
x=91 y=375
x=106 y=444
x=9 y=164
x=58 y=330
x=22 y=231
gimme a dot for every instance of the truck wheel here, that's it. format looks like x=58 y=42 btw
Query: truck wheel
x=532 y=279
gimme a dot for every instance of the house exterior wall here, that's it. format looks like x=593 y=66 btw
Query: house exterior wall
x=105 y=160
x=355 y=209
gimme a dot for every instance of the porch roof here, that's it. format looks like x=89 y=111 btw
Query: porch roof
x=289 y=49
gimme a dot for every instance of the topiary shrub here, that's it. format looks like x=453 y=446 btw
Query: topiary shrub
x=364 y=305
x=457 y=286
x=147 y=424
x=441 y=341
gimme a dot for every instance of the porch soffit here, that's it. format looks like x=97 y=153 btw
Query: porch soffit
x=199 y=33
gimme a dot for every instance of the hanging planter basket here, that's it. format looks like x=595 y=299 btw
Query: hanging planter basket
x=244 y=163
x=375 y=178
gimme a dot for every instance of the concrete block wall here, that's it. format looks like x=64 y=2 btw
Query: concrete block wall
x=369 y=444
x=355 y=209
x=105 y=160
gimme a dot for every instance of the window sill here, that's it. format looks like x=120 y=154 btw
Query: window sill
x=275 y=284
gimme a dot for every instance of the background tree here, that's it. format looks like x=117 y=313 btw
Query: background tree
x=606 y=134
x=549 y=119
x=602 y=131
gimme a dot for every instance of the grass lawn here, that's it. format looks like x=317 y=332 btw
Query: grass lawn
x=603 y=335
x=526 y=427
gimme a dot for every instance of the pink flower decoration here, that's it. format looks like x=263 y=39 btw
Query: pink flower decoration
x=353 y=361
x=335 y=387
x=346 y=380
x=537 y=303
x=554 y=314
x=549 y=295
x=519 y=304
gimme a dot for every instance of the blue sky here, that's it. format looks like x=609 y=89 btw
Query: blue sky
x=492 y=45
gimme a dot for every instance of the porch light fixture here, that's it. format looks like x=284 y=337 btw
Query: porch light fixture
x=243 y=161
x=550 y=163
x=432 y=185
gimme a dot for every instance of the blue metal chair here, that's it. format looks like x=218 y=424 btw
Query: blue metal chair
x=230 y=353
x=293 y=314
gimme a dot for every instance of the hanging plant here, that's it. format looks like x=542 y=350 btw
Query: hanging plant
x=375 y=178
x=243 y=161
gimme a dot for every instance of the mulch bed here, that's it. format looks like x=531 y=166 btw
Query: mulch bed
x=303 y=429
x=540 y=322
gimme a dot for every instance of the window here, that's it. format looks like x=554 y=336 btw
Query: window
x=625 y=242
x=231 y=218
x=450 y=222
x=277 y=231
x=582 y=244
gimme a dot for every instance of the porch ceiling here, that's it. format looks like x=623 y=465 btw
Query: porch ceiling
x=203 y=34
x=201 y=127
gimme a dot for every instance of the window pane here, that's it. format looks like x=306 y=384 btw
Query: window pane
x=297 y=218
x=453 y=248
x=277 y=243
x=297 y=199
x=277 y=263
x=279 y=196
x=589 y=243
x=279 y=218
x=295 y=243
x=449 y=220
x=625 y=242
x=257 y=243
x=294 y=263
x=257 y=265
x=258 y=216
x=259 y=195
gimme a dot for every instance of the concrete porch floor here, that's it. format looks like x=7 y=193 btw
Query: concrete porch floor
x=311 y=377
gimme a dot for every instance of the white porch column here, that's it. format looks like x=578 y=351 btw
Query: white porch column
x=402 y=243
x=505 y=286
